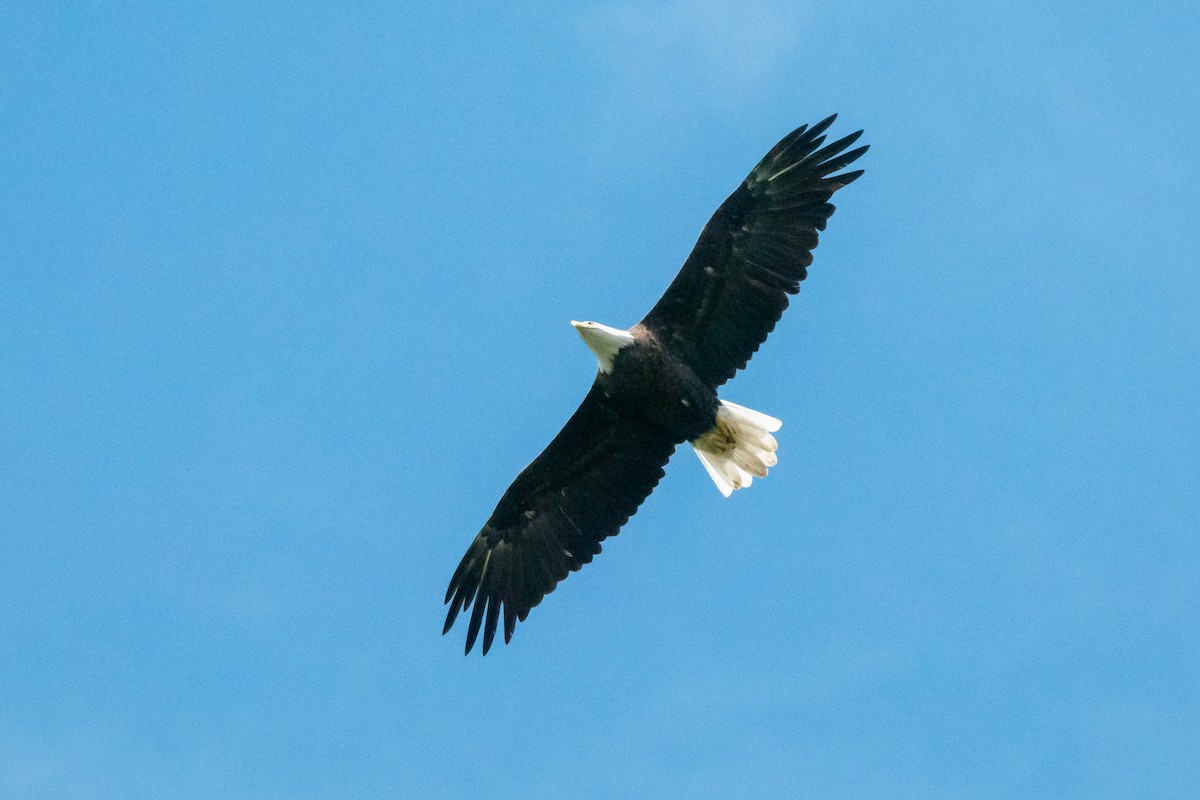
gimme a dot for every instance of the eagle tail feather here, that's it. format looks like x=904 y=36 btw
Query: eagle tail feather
x=739 y=448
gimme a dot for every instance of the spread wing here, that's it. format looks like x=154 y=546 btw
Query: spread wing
x=583 y=487
x=752 y=254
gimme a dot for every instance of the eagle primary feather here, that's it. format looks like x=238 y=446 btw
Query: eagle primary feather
x=656 y=388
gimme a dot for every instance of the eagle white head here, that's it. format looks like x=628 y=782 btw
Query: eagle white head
x=602 y=340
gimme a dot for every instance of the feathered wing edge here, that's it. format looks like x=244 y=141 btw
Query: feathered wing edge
x=753 y=253
x=780 y=159
x=583 y=487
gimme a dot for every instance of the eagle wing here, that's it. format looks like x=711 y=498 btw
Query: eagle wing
x=752 y=254
x=582 y=488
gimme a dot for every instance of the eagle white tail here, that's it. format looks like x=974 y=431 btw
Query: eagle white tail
x=739 y=448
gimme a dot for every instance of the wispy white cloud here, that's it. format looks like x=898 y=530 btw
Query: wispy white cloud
x=718 y=51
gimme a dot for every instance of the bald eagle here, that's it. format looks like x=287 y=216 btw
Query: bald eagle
x=656 y=388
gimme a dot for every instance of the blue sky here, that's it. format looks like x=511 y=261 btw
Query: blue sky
x=284 y=307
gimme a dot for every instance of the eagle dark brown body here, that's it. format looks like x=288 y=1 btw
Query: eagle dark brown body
x=651 y=383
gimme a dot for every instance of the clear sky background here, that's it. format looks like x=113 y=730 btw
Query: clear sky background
x=284 y=303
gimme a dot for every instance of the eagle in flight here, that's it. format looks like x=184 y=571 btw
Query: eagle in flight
x=656 y=388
